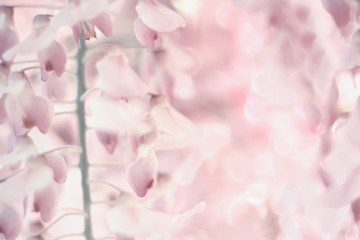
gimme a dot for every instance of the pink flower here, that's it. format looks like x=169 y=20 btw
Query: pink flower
x=101 y=22
x=19 y=105
x=53 y=58
x=142 y=174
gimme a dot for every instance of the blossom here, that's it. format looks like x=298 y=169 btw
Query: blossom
x=101 y=22
x=19 y=104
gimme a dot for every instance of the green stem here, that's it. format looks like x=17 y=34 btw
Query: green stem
x=83 y=164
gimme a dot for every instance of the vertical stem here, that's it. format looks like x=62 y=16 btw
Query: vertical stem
x=83 y=164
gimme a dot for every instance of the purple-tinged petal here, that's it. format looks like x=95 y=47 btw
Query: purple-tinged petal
x=8 y=39
x=10 y=223
x=108 y=140
x=53 y=58
x=46 y=201
x=146 y=36
x=41 y=20
x=58 y=165
x=6 y=15
x=159 y=17
x=142 y=173
x=339 y=10
x=103 y=23
x=355 y=208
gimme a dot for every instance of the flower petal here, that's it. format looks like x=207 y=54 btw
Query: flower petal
x=36 y=112
x=36 y=176
x=46 y=201
x=10 y=223
x=146 y=36
x=8 y=39
x=108 y=140
x=159 y=17
x=175 y=130
x=339 y=10
x=53 y=58
x=3 y=114
x=135 y=220
x=118 y=79
x=120 y=118
x=142 y=174
x=76 y=30
x=14 y=114
x=59 y=167
x=355 y=208
x=103 y=23
x=132 y=219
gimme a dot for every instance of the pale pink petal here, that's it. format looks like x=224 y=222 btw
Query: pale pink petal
x=24 y=150
x=108 y=140
x=142 y=174
x=120 y=118
x=146 y=36
x=46 y=201
x=159 y=17
x=37 y=41
x=10 y=223
x=14 y=113
x=103 y=23
x=134 y=141
x=36 y=176
x=175 y=130
x=58 y=165
x=118 y=79
x=339 y=10
x=76 y=30
x=8 y=39
x=36 y=112
x=53 y=58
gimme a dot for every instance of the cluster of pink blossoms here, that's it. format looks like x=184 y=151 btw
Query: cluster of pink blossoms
x=179 y=119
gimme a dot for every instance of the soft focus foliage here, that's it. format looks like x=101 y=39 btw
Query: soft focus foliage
x=205 y=119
